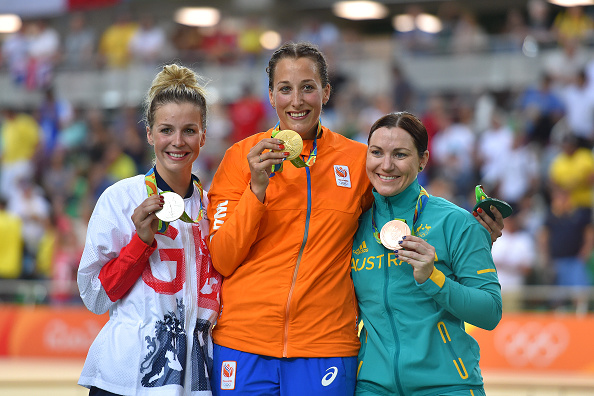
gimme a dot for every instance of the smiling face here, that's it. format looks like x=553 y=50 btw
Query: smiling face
x=298 y=94
x=393 y=160
x=177 y=137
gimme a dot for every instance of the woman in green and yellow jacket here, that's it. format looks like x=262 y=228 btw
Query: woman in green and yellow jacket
x=416 y=294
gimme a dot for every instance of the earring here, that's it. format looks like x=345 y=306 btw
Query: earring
x=420 y=169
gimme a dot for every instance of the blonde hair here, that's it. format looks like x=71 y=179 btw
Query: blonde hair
x=175 y=84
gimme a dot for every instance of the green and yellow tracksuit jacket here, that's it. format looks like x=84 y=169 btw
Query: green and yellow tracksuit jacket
x=413 y=340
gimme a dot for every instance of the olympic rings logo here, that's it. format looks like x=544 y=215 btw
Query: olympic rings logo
x=531 y=343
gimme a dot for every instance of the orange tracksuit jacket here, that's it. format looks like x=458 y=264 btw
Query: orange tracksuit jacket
x=287 y=290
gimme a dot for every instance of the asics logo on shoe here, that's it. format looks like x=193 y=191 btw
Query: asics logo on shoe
x=329 y=377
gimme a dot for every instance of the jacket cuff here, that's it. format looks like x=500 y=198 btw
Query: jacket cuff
x=434 y=284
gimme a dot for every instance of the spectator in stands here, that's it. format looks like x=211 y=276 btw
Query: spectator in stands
x=80 y=43
x=117 y=163
x=432 y=118
x=453 y=152
x=573 y=23
x=15 y=54
x=43 y=54
x=52 y=114
x=58 y=176
x=573 y=171
x=219 y=43
x=248 y=40
x=402 y=90
x=564 y=63
x=513 y=32
x=187 y=42
x=514 y=255
x=148 y=45
x=566 y=242
x=21 y=137
x=578 y=100
x=374 y=106
x=27 y=201
x=517 y=175
x=65 y=256
x=219 y=130
x=494 y=146
x=75 y=131
x=114 y=43
x=539 y=22
x=11 y=243
x=540 y=108
x=468 y=36
x=247 y=114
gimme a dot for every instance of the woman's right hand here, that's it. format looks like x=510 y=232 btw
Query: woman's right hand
x=261 y=159
x=145 y=220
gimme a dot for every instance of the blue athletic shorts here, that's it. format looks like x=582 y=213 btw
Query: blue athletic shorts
x=242 y=373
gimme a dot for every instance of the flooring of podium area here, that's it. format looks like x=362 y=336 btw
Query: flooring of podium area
x=47 y=377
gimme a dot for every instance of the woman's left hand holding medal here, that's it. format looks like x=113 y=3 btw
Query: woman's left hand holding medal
x=145 y=220
x=419 y=254
x=260 y=159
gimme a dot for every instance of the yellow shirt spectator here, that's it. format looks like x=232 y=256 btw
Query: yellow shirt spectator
x=20 y=137
x=573 y=170
x=114 y=43
x=11 y=245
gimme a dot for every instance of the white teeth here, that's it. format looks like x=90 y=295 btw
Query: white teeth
x=301 y=114
x=386 y=177
x=176 y=155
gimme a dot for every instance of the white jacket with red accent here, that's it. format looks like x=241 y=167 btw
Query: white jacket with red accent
x=158 y=337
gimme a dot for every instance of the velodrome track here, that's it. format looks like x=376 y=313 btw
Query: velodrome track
x=51 y=377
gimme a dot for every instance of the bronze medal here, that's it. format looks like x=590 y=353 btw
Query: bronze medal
x=392 y=233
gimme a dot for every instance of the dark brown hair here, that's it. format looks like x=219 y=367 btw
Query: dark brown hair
x=407 y=121
x=296 y=51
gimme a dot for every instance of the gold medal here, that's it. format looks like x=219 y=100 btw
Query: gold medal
x=173 y=207
x=392 y=232
x=292 y=141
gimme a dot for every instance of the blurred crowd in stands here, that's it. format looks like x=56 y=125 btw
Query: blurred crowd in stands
x=530 y=146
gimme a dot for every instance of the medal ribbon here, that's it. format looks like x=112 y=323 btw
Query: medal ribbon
x=419 y=207
x=299 y=162
x=150 y=181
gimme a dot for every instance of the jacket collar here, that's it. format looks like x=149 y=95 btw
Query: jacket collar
x=404 y=201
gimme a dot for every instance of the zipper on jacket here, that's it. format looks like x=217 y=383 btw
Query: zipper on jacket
x=303 y=242
x=391 y=315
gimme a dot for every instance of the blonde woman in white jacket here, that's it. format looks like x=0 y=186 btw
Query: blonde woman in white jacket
x=153 y=273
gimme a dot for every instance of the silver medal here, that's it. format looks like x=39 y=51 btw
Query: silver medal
x=173 y=207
